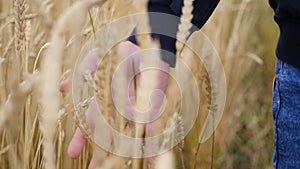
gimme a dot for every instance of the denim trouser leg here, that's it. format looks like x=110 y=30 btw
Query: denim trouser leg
x=286 y=114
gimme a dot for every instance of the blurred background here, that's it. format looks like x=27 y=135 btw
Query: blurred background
x=246 y=43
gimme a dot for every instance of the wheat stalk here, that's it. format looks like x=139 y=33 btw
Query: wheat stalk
x=50 y=75
x=27 y=40
x=165 y=160
x=8 y=47
x=102 y=82
x=143 y=28
x=184 y=26
x=119 y=91
x=16 y=99
x=45 y=11
x=147 y=82
x=20 y=26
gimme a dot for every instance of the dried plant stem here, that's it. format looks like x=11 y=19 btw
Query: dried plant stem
x=20 y=26
x=119 y=90
x=147 y=82
x=45 y=11
x=27 y=40
x=83 y=124
x=39 y=54
x=233 y=42
x=50 y=75
x=102 y=82
x=16 y=99
x=165 y=160
x=184 y=26
x=144 y=39
x=8 y=47
x=182 y=34
x=2 y=81
x=13 y=21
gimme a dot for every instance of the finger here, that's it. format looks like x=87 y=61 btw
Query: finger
x=156 y=101
x=158 y=95
x=77 y=144
x=90 y=62
x=93 y=162
x=129 y=53
x=132 y=53
x=63 y=87
x=163 y=76
x=78 y=141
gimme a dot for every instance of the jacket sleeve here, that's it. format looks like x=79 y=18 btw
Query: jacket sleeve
x=160 y=2
x=165 y=27
x=202 y=10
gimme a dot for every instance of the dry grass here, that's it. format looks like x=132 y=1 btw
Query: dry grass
x=40 y=41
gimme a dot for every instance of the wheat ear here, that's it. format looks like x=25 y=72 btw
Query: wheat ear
x=184 y=26
x=148 y=79
x=16 y=99
x=50 y=75
x=20 y=25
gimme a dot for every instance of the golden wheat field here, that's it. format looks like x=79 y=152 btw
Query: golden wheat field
x=44 y=96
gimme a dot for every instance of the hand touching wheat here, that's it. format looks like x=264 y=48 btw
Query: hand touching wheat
x=125 y=50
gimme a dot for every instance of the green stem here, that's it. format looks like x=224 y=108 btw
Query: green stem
x=92 y=24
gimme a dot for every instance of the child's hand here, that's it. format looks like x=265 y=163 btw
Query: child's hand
x=125 y=50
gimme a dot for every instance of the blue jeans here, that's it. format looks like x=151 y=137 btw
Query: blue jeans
x=286 y=114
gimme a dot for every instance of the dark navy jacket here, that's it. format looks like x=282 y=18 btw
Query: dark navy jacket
x=202 y=11
x=287 y=16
